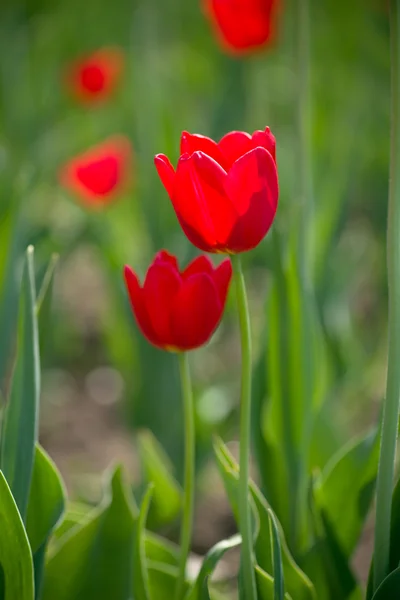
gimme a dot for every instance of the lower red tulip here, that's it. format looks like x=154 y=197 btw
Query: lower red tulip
x=99 y=175
x=179 y=310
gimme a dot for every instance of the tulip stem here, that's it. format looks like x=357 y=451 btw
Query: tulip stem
x=391 y=405
x=189 y=472
x=247 y=558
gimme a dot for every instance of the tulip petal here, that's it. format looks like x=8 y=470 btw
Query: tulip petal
x=159 y=290
x=234 y=144
x=222 y=279
x=139 y=310
x=201 y=264
x=252 y=185
x=266 y=140
x=196 y=312
x=166 y=172
x=208 y=180
x=166 y=257
x=193 y=142
x=100 y=173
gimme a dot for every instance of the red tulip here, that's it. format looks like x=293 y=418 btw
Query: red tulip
x=225 y=194
x=100 y=174
x=179 y=310
x=93 y=78
x=242 y=25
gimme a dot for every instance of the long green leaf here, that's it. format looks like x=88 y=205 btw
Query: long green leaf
x=94 y=559
x=199 y=590
x=389 y=588
x=20 y=428
x=167 y=495
x=140 y=573
x=297 y=583
x=15 y=554
x=279 y=585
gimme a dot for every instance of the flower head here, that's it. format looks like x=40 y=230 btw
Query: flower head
x=225 y=194
x=99 y=175
x=242 y=25
x=94 y=77
x=179 y=310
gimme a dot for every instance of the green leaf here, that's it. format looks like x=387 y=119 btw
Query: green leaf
x=140 y=574
x=345 y=489
x=44 y=304
x=389 y=588
x=10 y=255
x=45 y=508
x=162 y=580
x=266 y=586
x=199 y=591
x=296 y=582
x=94 y=559
x=325 y=562
x=279 y=585
x=160 y=550
x=15 y=553
x=157 y=468
x=46 y=500
x=20 y=427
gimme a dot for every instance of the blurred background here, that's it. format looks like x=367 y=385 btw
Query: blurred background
x=101 y=381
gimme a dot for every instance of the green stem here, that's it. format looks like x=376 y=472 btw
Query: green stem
x=247 y=559
x=189 y=474
x=391 y=405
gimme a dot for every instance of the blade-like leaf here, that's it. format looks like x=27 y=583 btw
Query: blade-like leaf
x=20 y=426
x=45 y=508
x=199 y=590
x=15 y=553
x=266 y=586
x=167 y=495
x=93 y=560
x=279 y=585
x=389 y=588
x=344 y=490
x=297 y=583
x=44 y=303
x=140 y=574
x=162 y=579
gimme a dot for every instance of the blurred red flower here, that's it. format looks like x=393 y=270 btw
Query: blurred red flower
x=225 y=194
x=179 y=310
x=99 y=175
x=242 y=25
x=94 y=77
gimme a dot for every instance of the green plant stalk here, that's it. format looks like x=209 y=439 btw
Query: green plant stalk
x=247 y=558
x=304 y=255
x=189 y=472
x=391 y=405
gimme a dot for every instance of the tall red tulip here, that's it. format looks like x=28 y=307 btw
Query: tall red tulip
x=94 y=77
x=179 y=310
x=225 y=194
x=99 y=175
x=242 y=25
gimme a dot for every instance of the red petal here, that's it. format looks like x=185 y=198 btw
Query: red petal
x=166 y=172
x=208 y=181
x=192 y=142
x=165 y=257
x=94 y=77
x=266 y=140
x=222 y=279
x=241 y=25
x=161 y=285
x=201 y=264
x=196 y=312
x=234 y=144
x=136 y=298
x=100 y=173
x=252 y=185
